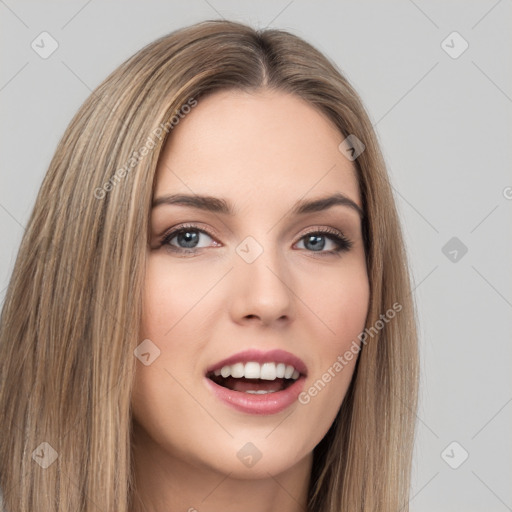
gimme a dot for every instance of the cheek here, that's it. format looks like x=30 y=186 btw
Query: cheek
x=340 y=305
x=351 y=308
x=342 y=309
x=174 y=318
x=169 y=320
x=172 y=296
x=349 y=318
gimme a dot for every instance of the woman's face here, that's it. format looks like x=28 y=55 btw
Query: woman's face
x=244 y=278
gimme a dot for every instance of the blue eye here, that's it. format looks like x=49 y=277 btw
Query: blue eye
x=185 y=240
x=189 y=236
x=317 y=241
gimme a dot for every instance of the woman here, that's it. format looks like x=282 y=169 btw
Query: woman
x=211 y=307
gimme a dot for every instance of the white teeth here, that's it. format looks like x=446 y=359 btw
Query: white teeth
x=237 y=370
x=288 y=371
x=258 y=391
x=268 y=371
x=253 y=370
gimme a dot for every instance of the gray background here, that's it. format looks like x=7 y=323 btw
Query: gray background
x=444 y=125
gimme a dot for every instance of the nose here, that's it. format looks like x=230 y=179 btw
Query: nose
x=262 y=291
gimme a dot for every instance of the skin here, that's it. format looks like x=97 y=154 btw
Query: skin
x=262 y=151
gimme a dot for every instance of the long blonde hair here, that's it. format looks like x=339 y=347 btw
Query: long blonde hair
x=70 y=320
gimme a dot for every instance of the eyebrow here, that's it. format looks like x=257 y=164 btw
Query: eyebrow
x=219 y=205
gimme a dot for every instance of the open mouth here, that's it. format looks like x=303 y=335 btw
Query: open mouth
x=255 y=378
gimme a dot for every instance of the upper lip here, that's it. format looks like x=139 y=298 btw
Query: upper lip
x=259 y=356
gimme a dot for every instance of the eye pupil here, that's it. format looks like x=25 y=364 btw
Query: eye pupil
x=318 y=242
x=190 y=238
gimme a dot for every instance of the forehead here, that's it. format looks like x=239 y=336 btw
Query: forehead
x=265 y=147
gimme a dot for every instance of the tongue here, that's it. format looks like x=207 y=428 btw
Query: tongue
x=244 y=384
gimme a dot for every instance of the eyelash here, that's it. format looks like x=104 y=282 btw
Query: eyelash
x=342 y=242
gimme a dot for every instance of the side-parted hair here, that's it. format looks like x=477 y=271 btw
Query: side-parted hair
x=70 y=320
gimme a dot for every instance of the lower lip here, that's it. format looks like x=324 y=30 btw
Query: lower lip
x=269 y=403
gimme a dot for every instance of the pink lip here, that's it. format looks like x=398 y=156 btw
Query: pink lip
x=272 y=356
x=271 y=403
